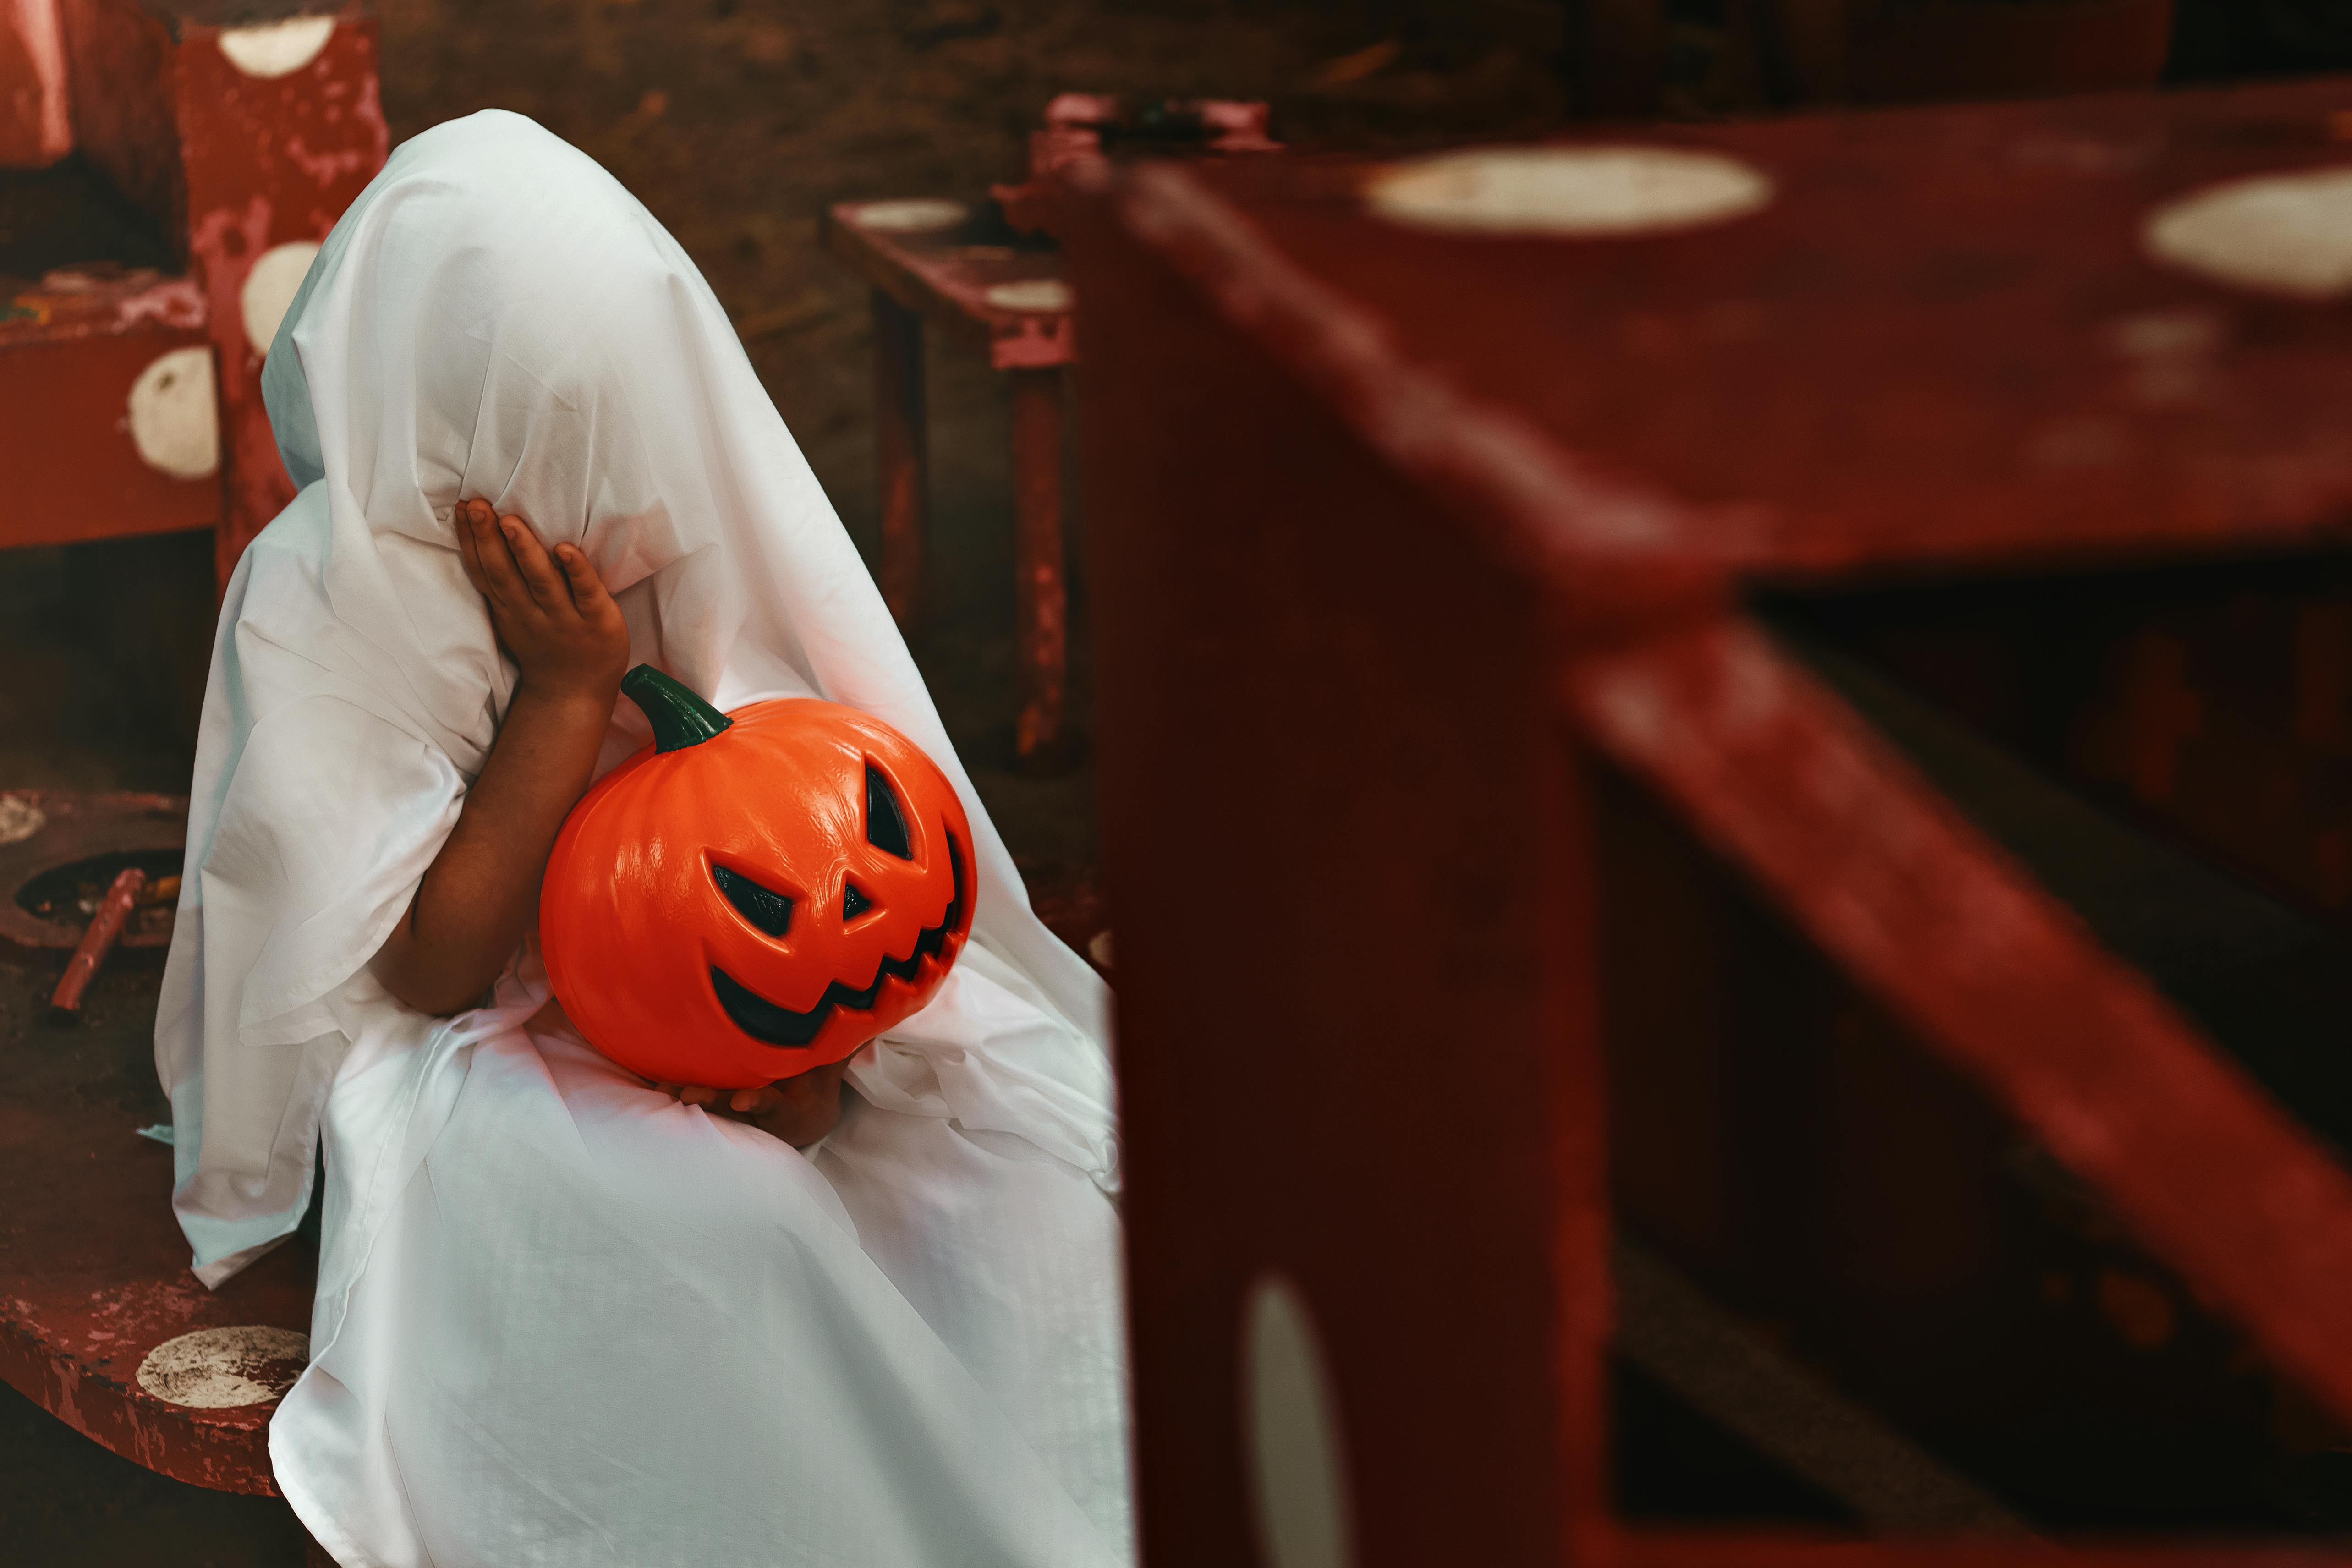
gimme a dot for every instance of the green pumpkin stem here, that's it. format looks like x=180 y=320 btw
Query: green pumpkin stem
x=679 y=718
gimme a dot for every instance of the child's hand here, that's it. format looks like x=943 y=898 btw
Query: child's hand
x=553 y=614
x=800 y=1111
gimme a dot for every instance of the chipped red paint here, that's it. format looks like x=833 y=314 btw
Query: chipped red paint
x=1413 y=556
x=71 y=348
x=69 y=305
x=2034 y=438
x=230 y=165
x=266 y=162
x=93 y=1275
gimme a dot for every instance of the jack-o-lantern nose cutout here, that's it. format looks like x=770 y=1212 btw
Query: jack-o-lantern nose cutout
x=684 y=918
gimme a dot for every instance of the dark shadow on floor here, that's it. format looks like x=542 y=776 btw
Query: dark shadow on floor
x=65 y=1503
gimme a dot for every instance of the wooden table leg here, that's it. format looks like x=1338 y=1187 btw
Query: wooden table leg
x=1041 y=598
x=902 y=448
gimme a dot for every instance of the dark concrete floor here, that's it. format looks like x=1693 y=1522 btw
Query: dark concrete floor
x=64 y=1501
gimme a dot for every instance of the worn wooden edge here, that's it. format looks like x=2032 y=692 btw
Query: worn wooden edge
x=184 y=16
x=1845 y=836
x=224 y=1451
x=70 y=304
x=1617 y=550
x=1608 y=538
x=95 y=1279
x=1013 y=340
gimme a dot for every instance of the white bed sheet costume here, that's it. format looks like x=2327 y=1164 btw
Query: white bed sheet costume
x=561 y=1318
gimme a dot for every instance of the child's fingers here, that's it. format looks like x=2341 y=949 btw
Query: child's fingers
x=539 y=574
x=477 y=537
x=588 y=592
x=462 y=523
x=501 y=580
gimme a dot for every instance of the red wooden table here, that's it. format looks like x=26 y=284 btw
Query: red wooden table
x=941 y=262
x=1804 y=744
x=989 y=277
x=233 y=136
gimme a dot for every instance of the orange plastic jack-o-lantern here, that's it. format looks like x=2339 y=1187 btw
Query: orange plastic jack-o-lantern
x=757 y=894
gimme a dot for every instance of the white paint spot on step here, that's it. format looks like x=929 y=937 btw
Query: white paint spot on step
x=1291 y=1437
x=223 y=1369
x=1572 y=192
x=174 y=422
x=1032 y=294
x=277 y=48
x=2275 y=234
x=277 y=277
x=19 y=819
x=918 y=216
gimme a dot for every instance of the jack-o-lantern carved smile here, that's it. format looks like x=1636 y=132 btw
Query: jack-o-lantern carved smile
x=754 y=895
x=764 y=1020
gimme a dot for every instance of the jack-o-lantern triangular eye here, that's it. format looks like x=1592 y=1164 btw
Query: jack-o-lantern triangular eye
x=885 y=828
x=770 y=912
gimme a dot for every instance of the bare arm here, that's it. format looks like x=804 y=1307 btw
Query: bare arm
x=555 y=619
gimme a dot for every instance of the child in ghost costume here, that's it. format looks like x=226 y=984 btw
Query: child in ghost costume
x=562 y=1316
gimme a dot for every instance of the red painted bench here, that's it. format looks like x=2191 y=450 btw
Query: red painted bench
x=1812 y=732
x=224 y=141
x=944 y=263
x=100 y=1323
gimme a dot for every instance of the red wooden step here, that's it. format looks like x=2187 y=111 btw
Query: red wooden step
x=96 y=1305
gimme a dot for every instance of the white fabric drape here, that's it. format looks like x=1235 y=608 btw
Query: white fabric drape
x=560 y=1319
